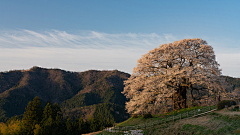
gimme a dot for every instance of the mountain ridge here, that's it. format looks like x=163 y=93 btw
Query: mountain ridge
x=18 y=87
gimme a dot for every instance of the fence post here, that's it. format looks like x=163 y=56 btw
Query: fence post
x=180 y=116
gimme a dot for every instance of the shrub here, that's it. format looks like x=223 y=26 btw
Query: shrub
x=147 y=115
x=222 y=104
x=236 y=108
x=135 y=116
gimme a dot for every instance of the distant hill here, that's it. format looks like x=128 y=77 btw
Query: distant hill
x=77 y=93
x=71 y=90
x=233 y=82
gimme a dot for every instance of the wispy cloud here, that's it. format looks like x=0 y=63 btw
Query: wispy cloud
x=22 y=49
x=90 y=39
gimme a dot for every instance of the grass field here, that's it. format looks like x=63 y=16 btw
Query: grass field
x=216 y=123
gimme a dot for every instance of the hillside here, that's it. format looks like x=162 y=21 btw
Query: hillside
x=220 y=122
x=233 y=82
x=77 y=93
x=70 y=90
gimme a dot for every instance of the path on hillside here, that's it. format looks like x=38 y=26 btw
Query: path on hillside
x=207 y=120
x=93 y=133
x=204 y=120
x=226 y=111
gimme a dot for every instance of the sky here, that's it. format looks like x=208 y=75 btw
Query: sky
x=79 y=35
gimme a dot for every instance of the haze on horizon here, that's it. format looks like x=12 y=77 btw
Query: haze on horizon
x=108 y=35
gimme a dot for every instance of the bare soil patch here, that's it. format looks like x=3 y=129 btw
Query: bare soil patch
x=227 y=112
x=206 y=121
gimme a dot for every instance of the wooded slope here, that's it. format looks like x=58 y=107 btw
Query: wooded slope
x=69 y=89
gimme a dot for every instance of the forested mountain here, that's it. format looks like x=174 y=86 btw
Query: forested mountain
x=233 y=82
x=71 y=90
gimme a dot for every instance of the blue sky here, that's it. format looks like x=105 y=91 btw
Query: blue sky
x=107 y=34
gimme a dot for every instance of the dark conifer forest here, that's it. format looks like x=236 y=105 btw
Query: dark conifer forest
x=49 y=121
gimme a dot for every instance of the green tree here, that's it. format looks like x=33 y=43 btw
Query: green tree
x=81 y=126
x=47 y=112
x=100 y=123
x=48 y=126
x=32 y=116
x=56 y=111
x=52 y=119
x=108 y=123
x=69 y=126
x=38 y=130
x=58 y=128
x=96 y=123
x=75 y=126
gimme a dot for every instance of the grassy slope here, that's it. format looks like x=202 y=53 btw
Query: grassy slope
x=216 y=123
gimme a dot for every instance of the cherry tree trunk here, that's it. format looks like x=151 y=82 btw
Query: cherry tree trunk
x=180 y=98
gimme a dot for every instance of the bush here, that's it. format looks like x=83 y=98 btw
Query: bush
x=222 y=104
x=236 y=108
x=147 y=115
x=135 y=116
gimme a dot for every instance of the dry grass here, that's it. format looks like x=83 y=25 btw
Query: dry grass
x=228 y=112
x=208 y=122
x=220 y=122
x=205 y=121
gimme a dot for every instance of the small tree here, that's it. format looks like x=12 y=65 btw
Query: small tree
x=81 y=126
x=169 y=71
x=94 y=125
x=47 y=112
x=47 y=121
x=56 y=111
x=32 y=116
x=69 y=126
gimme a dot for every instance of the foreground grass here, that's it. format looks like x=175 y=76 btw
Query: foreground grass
x=229 y=125
x=213 y=124
x=156 y=118
x=216 y=125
